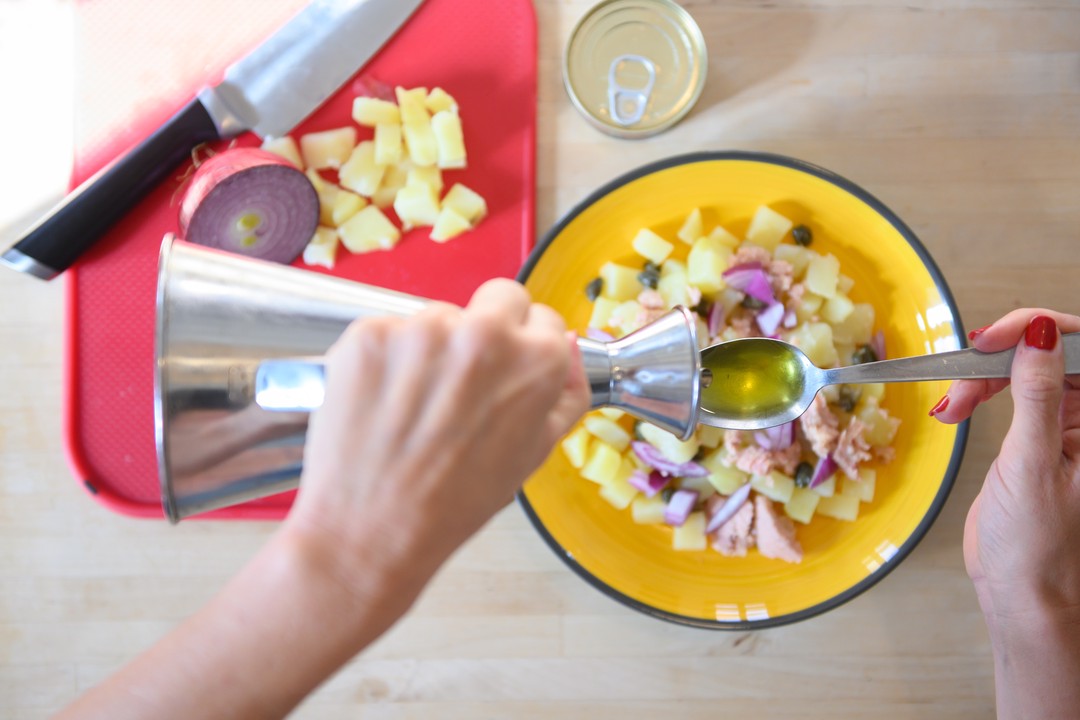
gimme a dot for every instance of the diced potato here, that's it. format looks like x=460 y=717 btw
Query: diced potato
x=361 y=173
x=710 y=436
x=439 y=100
x=648 y=511
x=700 y=485
x=671 y=267
x=576 y=447
x=809 y=306
x=608 y=431
x=671 y=447
x=393 y=180
x=322 y=248
x=619 y=493
x=822 y=274
x=691 y=534
x=827 y=488
x=369 y=230
x=611 y=413
x=674 y=290
x=449 y=225
x=729 y=299
x=816 y=340
x=863 y=487
x=725 y=238
x=706 y=264
x=417 y=206
x=872 y=391
x=327 y=149
x=345 y=205
x=796 y=255
x=844 y=283
x=768 y=228
x=844 y=351
x=880 y=427
x=466 y=203
x=284 y=147
x=620 y=282
x=420 y=137
x=430 y=176
x=603 y=463
x=625 y=316
x=802 y=504
x=387 y=144
x=327 y=193
x=857 y=327
x=692 y=228
x=775 y=486
x=450 y=140
x=726 y=479
x=412 y=104
x=651 y=246
x=839 y=506
x=831 y=393
x=837 y=308
x=371 y=112
x=601 y=312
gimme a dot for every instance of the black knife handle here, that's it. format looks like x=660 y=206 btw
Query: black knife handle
x=73 y=226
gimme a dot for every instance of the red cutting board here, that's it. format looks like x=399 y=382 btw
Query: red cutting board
x=138 y=62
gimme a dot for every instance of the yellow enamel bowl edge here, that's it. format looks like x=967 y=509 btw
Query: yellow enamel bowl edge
x=635 y=564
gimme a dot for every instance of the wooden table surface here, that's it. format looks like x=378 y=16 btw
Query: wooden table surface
x=962 y=115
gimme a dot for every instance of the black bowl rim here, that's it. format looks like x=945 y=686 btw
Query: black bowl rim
x=959 y=445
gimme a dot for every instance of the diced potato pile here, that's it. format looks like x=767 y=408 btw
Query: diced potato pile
x=820 y=317
x=413 y=141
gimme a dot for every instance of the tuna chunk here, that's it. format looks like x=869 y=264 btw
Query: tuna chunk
x=736 y=536
x=775 y=533
x=852 y=449
x=759 y=461
x=820 y=427
x=781 y=275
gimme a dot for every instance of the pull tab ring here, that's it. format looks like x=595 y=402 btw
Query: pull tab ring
x=635 y=99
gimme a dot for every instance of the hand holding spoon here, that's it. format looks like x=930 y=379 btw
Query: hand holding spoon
x=755 y=383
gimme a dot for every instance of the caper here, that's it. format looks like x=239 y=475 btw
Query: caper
x=802 y=235
x=594 y=288
x=752 y=303
x=666 y=494
x=703 y=309
x=649 y=279
x=849 y=396
x=864 y=354
x=804 y=473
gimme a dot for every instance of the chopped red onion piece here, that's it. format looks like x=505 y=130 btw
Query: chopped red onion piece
x=655 y=459
x=778 y=437
x=731 y=506
x=680 y=506
x=600 y=335
x=648 y=483
x=824 y=470
x=716 y=318
x=752 y=280
x=790 y=319
x=769 y=319
x=878 y=344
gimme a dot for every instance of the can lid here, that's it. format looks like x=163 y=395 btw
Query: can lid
x=634 y=68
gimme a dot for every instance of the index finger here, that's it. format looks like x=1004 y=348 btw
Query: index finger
x=500 y=299
x=1006 y=332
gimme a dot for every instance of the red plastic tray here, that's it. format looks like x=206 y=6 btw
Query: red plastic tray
x=482 y=52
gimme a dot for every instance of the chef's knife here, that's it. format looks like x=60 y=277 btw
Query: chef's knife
x=270 y=91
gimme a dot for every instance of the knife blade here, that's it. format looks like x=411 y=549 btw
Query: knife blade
x=269 y=92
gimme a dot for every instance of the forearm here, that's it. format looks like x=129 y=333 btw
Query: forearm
x=278 y=630
x=1037 y=667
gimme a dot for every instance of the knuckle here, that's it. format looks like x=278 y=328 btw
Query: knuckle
x=1039 y=385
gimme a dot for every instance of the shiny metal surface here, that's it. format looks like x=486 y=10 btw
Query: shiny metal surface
x=956 y=365
x=26 y=264
x=293 y=72
x=239 y=346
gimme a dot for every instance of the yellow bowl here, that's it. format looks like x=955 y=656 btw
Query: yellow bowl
x=635 y=564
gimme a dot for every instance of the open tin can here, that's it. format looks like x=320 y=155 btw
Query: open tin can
x=635 y=68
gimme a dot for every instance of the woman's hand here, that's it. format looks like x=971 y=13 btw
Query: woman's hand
x=432 y=423
x=1022 y=536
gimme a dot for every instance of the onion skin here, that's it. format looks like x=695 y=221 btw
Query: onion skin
x=250 y=183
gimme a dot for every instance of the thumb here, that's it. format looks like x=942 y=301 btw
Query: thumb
x=1038 y=381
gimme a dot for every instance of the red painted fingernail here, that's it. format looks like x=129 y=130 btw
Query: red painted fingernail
x=976 y=333
x=1041 y=333
x=941 y=405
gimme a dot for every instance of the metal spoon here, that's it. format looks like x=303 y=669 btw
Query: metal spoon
x=755 y=383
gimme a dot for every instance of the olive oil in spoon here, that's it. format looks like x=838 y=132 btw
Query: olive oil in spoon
x=756 y=383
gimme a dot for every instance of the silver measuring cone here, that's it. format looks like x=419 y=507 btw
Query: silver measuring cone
x=239 y=346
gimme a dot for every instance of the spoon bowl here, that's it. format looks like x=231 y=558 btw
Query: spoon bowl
x=756 y=383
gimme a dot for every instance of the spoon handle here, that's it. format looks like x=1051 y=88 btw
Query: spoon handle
x=956 y=365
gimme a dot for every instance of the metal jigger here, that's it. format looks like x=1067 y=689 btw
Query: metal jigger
x=239 y=346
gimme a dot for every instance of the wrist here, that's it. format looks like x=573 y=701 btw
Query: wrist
x=1022 y=616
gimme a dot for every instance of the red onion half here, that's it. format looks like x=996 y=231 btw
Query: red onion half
x=250 y=202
